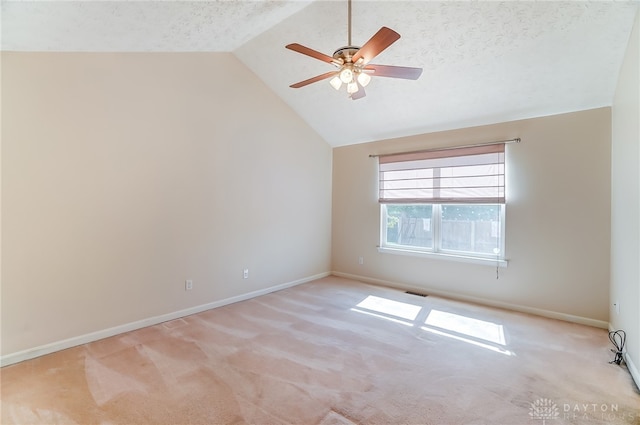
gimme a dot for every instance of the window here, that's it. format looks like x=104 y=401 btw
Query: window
x=471 y=230
x=447 y=202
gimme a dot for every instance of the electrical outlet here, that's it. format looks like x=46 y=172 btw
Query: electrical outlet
x=616 y=305
x=188 y=285
x=245 y=274
x=360 y=260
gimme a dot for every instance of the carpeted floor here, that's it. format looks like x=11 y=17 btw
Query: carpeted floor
x=333 y=351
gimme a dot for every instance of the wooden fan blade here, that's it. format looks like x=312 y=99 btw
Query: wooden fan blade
x=314 y=79
x=394 y=71
x=309 y=52
x=384 y=38
x=359 y=94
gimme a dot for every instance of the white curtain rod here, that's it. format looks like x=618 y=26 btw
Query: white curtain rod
x=500 y=142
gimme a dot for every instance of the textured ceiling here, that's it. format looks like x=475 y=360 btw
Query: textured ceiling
x=484 y=62
x=138 y=26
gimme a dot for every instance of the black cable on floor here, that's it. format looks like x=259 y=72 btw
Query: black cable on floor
x=618 y=339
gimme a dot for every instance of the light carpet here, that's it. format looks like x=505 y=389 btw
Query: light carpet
x=333 y=351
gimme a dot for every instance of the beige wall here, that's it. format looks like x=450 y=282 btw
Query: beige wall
x=625 y=201
x=557 y=218
x=125 y=174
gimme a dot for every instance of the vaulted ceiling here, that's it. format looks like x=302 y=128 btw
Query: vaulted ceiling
x=484 y=62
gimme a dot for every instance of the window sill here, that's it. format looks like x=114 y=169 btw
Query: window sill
x=442 y=256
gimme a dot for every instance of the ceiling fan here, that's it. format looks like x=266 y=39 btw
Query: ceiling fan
x=353 y=65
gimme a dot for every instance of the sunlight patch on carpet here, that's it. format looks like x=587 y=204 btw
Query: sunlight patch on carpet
x=476 y=328
x=390 y=307
x=380 y=316
x=470 y=341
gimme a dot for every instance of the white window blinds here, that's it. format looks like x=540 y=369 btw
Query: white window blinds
x=464 y=175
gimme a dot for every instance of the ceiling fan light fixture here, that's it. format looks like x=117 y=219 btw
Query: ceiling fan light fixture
x=346 y=75
x=336 y=82
x=364 y=79
x=353 y=62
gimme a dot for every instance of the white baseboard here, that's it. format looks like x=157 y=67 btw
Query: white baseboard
x=633 y=370
x=484 y=301
x=31 y=353
x=631 y=367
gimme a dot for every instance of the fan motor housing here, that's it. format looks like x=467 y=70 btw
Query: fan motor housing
x=346 y=53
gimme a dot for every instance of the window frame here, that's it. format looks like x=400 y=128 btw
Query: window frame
x=427 y=177
x=436 y=251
